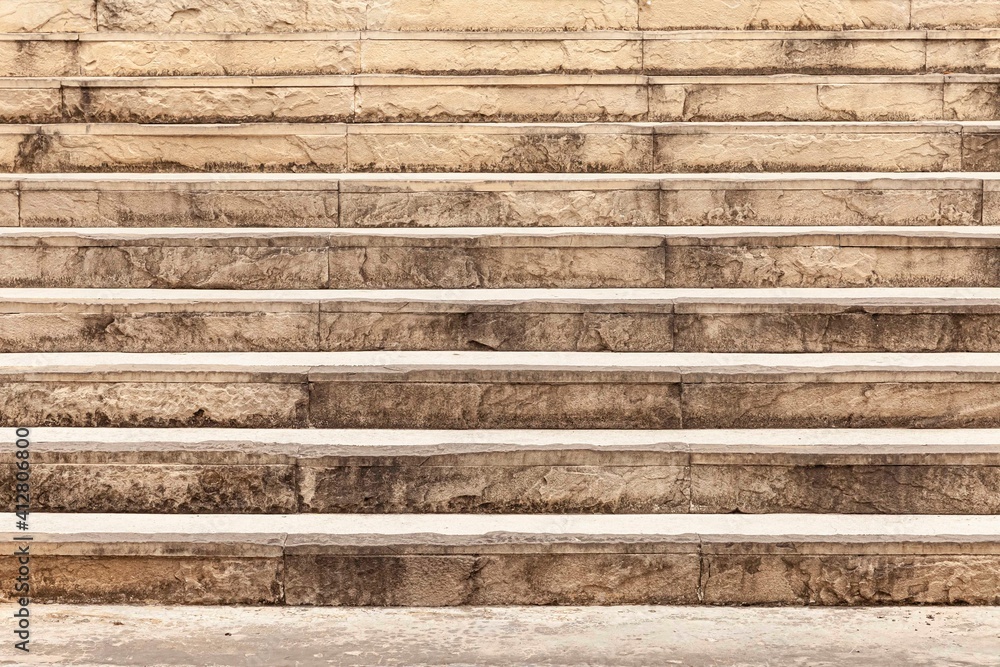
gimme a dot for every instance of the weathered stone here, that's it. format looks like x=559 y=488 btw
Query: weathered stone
x=971 y=100
x=767 y=54
x=8 y=209
x=455 y=405
x=775 y=15
x=236 y=56
x=837 y=332
x=949 y=54
x=27 y=56
x=495 y=330
x=823 y=265
x=30 y=105
x=559 y=101
x=180 y=207
x=953 y=14
x=500 y=149
x=39 y=16
x=162 y=266
x=870 y=579
x=235 y=16
x=568 y=208
x=154 y=579
x=454 y=266
x=783 y=148
x=981 y=150
x=731 y=205
x=834 y=489
x=429 y=487
x=167 y=404
x=95 y=103
x=493 y=54
x=159 y=489
x=850 y=404
x=523 y=579
x=504 y=15
x=163 y=331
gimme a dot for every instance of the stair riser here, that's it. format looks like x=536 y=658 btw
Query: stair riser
x=573 y=482
x=107 y=330
x=485 y=148
x=240 y=16
x=469 y=265
x=184 y=205
x=461 y=401
x=151 y=101
x=672 y=573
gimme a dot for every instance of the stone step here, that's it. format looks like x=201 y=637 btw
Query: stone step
x=242 y=16
x=460 y=390
x=504 y=147
x=719 y=52
x=540 y=97
x=455 y=560
x=241 y=471
x=456 y=258
x=586 y=320
x=635 y=636
x=495 y=200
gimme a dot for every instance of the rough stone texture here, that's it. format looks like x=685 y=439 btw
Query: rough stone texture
x=497 y=55
x=630 y=636
x=838 y=489
x=167 y=404
x=805 y=55
x=8 y=209
x=231 y=57
x=503 y=15
x=32 y=57
x=774 y=150
x=47 y=16
x=498 y=103
x=755 y=101
x=962 y=55
x=734 y=206
x=836 y=332
x=159 y=489
x=494 y=488
x=775 y=15
x=30 y=105
x=849 y=404
x=415 y=149
x=954 y=14
x=532 y=579
x=164 y=267
x=94 y=103
x=454 y=266
x=495 y=330
x=153 y=579
x=981 y=151
x=573 y=208
x=182 y=207
x=791 y=578
x=830 y=266
x=455 y=405
x=971 y=101
x=238 y=16
x=158 y=332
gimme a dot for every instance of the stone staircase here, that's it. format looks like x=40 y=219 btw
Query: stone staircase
x=409 y=302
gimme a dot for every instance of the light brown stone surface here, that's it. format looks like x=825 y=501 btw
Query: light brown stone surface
x=484 y=149
x=853 y=404
x=790 y=578
x=775 y=54
x=954 y=14
x=967 y=100
x=839 y=148
x=240 y=405
x=775 y=14
x=30 y=105
x=47 y=16
x=573 y=208
x=176 y=207
x=26 y=56
x=823 y=265
x=491 y=54
x=503 y=15
x=426 y=580
x=946 y=54
x=731 y=205
x=981 y=150
x=237 y=16
x=456 y=405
